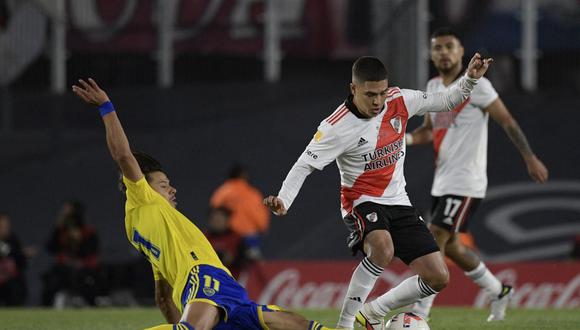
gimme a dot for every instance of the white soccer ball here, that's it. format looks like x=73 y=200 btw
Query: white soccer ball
x=407 y=321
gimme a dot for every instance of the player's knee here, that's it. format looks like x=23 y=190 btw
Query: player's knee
x=438 y=279
x=453 y=248
x=380 y=255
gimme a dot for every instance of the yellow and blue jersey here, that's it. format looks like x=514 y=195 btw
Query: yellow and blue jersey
x=170 y=241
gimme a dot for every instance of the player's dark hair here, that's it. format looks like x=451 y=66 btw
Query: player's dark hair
x=445 y=31
x=369 y=68
x=147 y=164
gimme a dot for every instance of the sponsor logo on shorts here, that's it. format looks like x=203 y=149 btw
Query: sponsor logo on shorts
x=372 y=217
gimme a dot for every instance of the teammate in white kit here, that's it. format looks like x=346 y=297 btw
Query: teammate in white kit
x=365 y=135
x=460 y=141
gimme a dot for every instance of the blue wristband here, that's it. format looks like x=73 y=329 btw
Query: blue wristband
x=105 y=108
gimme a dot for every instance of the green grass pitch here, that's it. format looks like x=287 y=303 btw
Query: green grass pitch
x=139 y=318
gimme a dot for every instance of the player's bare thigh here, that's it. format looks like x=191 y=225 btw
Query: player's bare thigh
x=442 y=236
x=281 y=320
x=378 y=246
x=201 y=315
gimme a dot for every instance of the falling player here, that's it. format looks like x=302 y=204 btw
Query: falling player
x=460 y=141
x=365 y=135
x=193 y=289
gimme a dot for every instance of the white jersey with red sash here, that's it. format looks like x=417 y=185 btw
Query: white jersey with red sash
x=460 y=142
x=369 y=152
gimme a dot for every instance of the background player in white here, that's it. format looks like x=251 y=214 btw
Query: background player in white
x=460 y=141
x=365 y=135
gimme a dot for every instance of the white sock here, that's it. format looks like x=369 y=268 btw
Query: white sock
x=423 y=306
x=407 y=292
x=362 y=282
x=485 y=279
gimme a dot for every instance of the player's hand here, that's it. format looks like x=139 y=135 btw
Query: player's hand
x=90 y=92
x=276 y=205
x=537 y=170
x=478 y=66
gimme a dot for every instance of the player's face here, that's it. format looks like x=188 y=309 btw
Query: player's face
x=160 y=183
x=370 y=96
x=446 y=53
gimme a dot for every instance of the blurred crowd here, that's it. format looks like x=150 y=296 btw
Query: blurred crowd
x=77 y=277
x=236 y=223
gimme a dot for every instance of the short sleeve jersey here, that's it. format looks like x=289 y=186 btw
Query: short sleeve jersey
x=369 y=152
x=460 y=142
x=169 y=240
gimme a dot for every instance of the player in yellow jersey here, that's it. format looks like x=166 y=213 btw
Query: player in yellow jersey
x=193 y=289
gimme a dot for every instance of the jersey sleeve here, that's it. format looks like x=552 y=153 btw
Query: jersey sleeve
x=139 y=193
x=324 y=147
x=419 y=102
x=293 y=182
x=483 y=94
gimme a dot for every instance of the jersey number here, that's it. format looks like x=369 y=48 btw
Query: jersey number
x=208 y=288
x=451 y=207
x=145 y=244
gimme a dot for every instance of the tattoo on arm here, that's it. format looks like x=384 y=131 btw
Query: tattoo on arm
x=519 y=139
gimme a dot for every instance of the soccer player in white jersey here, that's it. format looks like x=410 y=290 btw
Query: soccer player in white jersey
x=460 y=141
x=365 y=135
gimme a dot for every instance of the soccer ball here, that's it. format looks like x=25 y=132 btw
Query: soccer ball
x=404 y=321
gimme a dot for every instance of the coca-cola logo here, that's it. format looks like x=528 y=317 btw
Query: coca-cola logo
x=287 y=289
x=536 y=295
x=299 y=285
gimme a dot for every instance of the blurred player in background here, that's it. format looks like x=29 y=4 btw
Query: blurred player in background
x=228 y=244
x=249 y=217
x=365 y=136
x=460 y=141
x=193 y=289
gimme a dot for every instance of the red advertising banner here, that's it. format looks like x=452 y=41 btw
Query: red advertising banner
x=323 y=284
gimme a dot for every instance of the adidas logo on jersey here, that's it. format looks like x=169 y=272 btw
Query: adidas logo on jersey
x=361 y=142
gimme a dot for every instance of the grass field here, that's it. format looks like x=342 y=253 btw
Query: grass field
x=139 y=318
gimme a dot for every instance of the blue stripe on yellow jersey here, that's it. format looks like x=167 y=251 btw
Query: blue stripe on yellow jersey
x=169 y=240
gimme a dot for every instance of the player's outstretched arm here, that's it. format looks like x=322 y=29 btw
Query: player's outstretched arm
x=163 y=300
x=418 y=103
x=478 y=66
x=499 y=112
x=117 y=141
x=276 y=205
